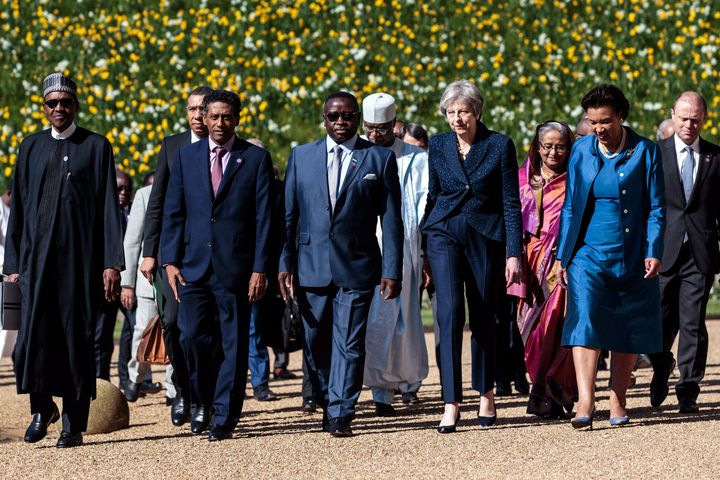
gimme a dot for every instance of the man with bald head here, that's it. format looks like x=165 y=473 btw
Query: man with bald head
x=691 y=257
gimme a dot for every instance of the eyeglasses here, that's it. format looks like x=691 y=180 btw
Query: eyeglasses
x=334 y=116
x=378 y=130
x=560 y=148
x=65 y=102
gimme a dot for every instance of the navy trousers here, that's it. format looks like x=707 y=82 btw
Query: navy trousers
x=171 y=335
x=465 y=263
x=335 y=321
x=209 y=315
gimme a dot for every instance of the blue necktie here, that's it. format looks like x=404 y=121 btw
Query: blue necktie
x=686 y=171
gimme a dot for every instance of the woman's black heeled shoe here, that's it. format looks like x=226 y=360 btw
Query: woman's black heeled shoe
x=450 y=428
x=486 y=421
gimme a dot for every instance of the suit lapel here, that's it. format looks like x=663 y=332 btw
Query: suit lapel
x=703 y=167
x=452 y=158
x=320 y=167
x=477 y=151
x=233 y=165
x=356 y=160
x=202 y=167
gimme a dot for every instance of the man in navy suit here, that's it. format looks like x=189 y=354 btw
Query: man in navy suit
x=216 y=248
x=335 y=190
x=171 y=145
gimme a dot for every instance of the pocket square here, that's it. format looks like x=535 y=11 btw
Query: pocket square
x=370 y=176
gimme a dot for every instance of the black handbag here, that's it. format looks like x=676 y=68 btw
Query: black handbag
x=293 y=331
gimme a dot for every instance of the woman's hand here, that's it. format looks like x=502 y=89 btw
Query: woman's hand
x=512 y=271
x=561 y=275
x=427 y=278
x=652 y=267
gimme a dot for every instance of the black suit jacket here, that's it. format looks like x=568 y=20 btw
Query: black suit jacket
x=700 y=216
x=171 y=146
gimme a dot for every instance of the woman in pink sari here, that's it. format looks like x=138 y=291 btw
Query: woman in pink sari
x=541 y=302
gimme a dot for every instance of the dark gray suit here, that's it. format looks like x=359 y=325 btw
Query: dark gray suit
x=688 y=268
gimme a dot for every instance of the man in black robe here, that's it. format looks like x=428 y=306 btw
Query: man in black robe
x=64 y=246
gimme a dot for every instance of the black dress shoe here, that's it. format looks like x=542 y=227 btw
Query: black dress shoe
x=264 y=394
x=200 y=419
x=150 y=387
x=169 y=401
x=180 y=411
x=37 y=429
x=384 y=410
x=521 y=384
x=410 y=397
x=450 y=428
x=327 y=424
x=218 y=433
x=283 y=374
x=69 y=440
x=132 y=391
x=659 y=384
x=688 y=405
x=486 y=421
x=341 y=428
x=308 y=406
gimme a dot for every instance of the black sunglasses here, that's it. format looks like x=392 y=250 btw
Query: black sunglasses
x=65 y=102
x=334 y=116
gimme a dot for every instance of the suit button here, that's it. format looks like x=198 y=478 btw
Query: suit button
x=467 y=187
x=625 y=211
x=212 y=220
x=209 y=244
x=624 y=192
x=627 y=230
x=622 y=174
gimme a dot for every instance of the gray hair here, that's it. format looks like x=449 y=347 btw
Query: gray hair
x=462 y=91
x=662 y=129
x=553 y=126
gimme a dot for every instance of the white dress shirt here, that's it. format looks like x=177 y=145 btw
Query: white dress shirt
x=65 y=134
x=680 y=154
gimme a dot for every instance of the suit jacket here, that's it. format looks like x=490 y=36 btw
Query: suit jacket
x=642 y=199
x=699 y=217
x=232 y=231
x=132 y=243
x=484 y=188
x=169 y=150
x=341 y=247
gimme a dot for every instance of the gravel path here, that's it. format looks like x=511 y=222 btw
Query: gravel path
x=274 y=440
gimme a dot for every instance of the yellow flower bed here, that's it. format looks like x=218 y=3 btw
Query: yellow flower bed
x=533 y=59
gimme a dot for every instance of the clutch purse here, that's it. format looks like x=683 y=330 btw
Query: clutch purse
x=10 y=312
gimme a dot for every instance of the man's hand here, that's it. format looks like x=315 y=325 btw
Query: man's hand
x=512 y=271
x=652 y=267
x=13 y=277
x=285 y=285
x=127 y=298
x=174 y=277
x=258 y=286
x=389 y=288
x=111 y=284
x=147 y=268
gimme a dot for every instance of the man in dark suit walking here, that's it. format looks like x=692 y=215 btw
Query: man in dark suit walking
x=216 y=249
x=335 y=190
x=171 y=145
x=691 y=257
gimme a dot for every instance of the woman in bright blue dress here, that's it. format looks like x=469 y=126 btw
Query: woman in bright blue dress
x=610 y=244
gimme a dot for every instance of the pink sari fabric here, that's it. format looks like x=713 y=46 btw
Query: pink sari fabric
x=541 y=303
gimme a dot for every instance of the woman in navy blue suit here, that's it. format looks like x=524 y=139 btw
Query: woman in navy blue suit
x=610 y=243
x=472 y=223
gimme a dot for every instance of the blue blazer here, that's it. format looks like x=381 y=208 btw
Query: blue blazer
x=342 y=248
x=484 y=188
x=642 y=199
x=230 y=232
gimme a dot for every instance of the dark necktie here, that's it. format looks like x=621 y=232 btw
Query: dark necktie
x=216 y=172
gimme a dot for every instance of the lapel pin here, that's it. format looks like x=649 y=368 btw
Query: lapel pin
x=65 y=158
x=354 y=162
x=238 y=160
x=707 y=158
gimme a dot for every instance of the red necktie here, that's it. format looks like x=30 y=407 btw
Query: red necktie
x=216 y=171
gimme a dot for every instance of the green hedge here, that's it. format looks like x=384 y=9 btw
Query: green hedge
x=135 y=62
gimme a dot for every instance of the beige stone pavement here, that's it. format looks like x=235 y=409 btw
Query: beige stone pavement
x=274 y=440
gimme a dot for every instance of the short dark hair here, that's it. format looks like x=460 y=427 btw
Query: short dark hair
x=607 y=95
x=222 y=96
x=149 y=178
x=416 y=131
x=345 y=95
x=202 y=90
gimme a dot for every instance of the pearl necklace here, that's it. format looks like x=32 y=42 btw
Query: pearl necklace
x=620 y=148
x=459 y=149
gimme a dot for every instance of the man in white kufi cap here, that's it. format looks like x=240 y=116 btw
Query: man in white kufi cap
x=395 y=341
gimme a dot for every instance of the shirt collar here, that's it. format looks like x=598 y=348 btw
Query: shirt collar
x=227 y=146
x=64 y=135
x=348 y=146
x=680 y=145
x=193 y=137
